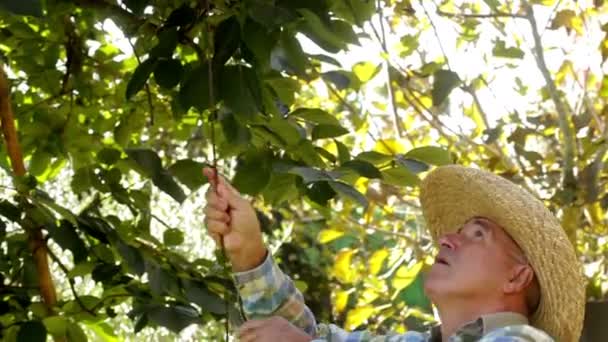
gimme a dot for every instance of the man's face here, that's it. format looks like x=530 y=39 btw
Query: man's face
x=473 y=263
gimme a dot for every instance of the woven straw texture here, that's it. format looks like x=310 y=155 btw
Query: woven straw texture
x=451 y=195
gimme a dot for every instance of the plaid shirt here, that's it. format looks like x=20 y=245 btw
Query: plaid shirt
x=266 y=291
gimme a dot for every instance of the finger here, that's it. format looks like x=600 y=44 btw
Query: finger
x=212 y=213
x=217 y=227
x=231 y=195
x=216 y=201
x=249 y=336
x=209 y=172
x=252 y=324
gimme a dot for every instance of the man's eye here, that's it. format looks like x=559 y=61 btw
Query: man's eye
x=478 y=233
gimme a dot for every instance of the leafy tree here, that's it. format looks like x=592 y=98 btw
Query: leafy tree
x=105 y=143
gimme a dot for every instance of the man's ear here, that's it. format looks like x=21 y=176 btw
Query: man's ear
x=520 y=278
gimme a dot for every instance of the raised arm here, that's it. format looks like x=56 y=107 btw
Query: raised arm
x=264 y=289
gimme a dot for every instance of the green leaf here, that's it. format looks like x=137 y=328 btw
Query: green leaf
x=280 y=188
x=431 y=155
x=363 y=168
x=284 y=129
x=32 y=331
x=66 y=237
x=306 y=152
x=252 y=172
x=82 y=269
x=174 y=318
x=327 y=131
x=194 y=90
x=288 y=55
x=259 y=40
x=412 y=164
x=500 y=50
x=181 y=16
x=316 y=115
x=350 y=192
x=400 y=176
x=444 y=81
x=159 y=280
x=141 y=323
x=10 y=211
x=344 y=31
x=320 y=192
x=168 y=73
x=108 y=155
x=343 y=152
x=136 y=6
x=239 y=88
x=140 y=77
x=310 y=175
x=325 y=154
x=41 y=159
x=374 y=157
x=198 y=293
x=173 y=237
x=167 y=42
x=56 y=325
x=319 y=32
x=189 y=173
x=236 y=134
x=132 y=257
x=340 y=78
x=150 y=164
x=23 y=7
x=226 y=41
x=75 y=333
x=413 y=295
x=365 y=71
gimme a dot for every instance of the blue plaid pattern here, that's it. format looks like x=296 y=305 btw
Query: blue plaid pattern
x=266 y=291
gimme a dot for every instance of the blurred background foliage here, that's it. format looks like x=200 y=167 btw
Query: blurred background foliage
x=327 y=113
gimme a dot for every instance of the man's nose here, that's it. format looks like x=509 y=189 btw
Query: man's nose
x=449 y=241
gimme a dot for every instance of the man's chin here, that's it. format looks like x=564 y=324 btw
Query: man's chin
x=436 y=277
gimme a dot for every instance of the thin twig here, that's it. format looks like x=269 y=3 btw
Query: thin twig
x=480 y=15
x=160 y=220
x=436 y=32
x=147 y=86
x=70 y=281
x=354 y=111
x=389 y=86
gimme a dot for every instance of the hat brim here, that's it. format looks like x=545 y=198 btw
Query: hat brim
x=451 y=195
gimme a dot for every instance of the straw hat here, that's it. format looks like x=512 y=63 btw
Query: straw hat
x=451 y=195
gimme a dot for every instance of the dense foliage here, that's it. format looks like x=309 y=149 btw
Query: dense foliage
x=113 y=131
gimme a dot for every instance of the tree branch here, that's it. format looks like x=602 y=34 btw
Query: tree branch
x=564 y=124
x=36 y=242
x=389 y=86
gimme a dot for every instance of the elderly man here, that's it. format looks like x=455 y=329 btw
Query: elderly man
x=505 y=270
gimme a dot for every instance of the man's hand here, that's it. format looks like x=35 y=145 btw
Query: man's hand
x=230 y=217
x=272 y=329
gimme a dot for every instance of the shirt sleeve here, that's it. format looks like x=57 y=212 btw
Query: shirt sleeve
x=266 y=291
x=517 y=333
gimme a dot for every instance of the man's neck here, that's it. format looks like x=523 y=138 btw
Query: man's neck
x=457 y=315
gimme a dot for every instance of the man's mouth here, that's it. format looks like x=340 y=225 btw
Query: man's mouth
x=441 y=260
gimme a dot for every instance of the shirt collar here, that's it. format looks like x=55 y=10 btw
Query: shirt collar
x=499 y=320
x=484 y=325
